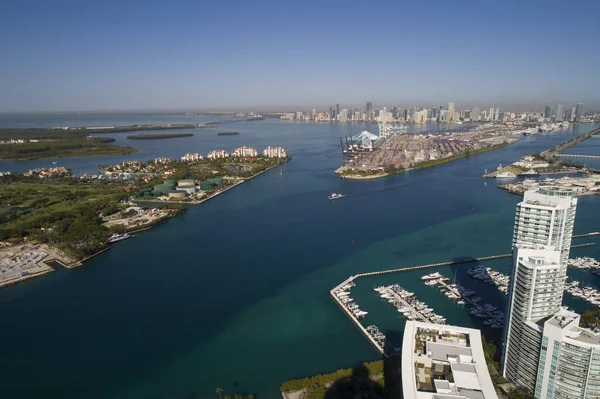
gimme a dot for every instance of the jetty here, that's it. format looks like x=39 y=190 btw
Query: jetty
x=454 y=262
x=369 y=334
x=407 y=304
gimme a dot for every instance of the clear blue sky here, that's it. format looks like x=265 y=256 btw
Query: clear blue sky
x=86 y=55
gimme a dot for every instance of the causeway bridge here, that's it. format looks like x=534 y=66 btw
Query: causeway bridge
x=579 y=156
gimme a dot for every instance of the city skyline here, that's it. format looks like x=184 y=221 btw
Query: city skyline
x=152 y=55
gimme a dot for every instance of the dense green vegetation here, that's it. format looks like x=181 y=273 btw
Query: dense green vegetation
x=590 y=319
x=62 y=149
x=65 y=213
x=159 y=136
x=56 y=143
x=491 y=358
x=234 y=167
x=61 y=212
x=392 y=169
x=317 y=386
x=520 y=393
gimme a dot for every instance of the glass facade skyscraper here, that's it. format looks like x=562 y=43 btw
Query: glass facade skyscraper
x=579 y=112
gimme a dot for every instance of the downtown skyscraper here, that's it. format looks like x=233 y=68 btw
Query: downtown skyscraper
x=543 y=347
x=579 y=112
x=559 y=113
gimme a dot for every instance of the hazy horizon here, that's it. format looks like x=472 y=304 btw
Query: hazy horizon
x=271 y=55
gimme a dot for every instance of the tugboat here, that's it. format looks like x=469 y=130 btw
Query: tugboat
x=335 y=196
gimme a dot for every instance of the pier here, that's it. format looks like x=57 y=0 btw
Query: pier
x=352 y=317
x=502 y=281
x=456 y=262
x=494 y=316
x=595 y=233
x=407 y=304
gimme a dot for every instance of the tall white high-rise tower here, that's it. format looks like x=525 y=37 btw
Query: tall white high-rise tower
x=541 y=243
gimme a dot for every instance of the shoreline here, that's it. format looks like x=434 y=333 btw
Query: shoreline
x=29 y=276
x=369 y=177
x=54 y=257
x=69 y=157
x=201 y=201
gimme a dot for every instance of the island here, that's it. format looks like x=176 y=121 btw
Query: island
x=228 y=133
x=368 y=156
x=66 y=141
x=159 y=136
x=29 y=144
x=545 y=163
x=49 y=216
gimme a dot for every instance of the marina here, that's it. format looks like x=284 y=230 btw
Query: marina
x=501 y=281
x=585 y=263
x=489 y=276
x=463 y=296
x=407 y=304
x=588 y=294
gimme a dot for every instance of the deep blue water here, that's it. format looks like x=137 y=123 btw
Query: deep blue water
x=235 y=292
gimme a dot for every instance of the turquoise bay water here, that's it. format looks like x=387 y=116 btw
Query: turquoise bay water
x=234 y=293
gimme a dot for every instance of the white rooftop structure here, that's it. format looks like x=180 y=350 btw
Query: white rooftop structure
x=444 y=362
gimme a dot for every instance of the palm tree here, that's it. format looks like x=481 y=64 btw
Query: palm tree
x=227 y=397
x=219 y=391
x=237 y=396
x=250 y=396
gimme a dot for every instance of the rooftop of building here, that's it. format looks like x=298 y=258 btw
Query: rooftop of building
x=550 y=197
x=443 y=361
x=568 y=322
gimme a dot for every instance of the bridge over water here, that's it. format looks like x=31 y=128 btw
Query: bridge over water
x=579 y=156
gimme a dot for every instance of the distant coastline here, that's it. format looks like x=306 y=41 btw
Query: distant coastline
x=159 y=136
x=228 y=133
